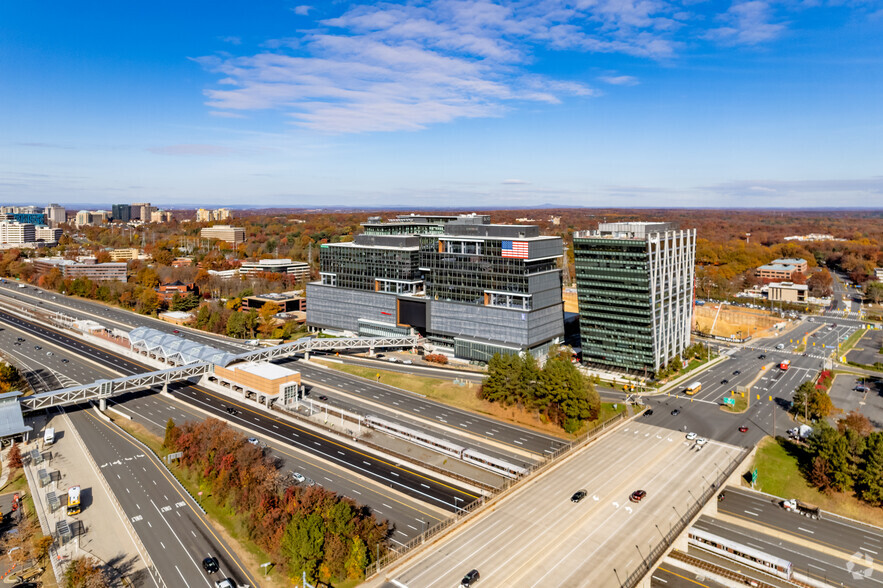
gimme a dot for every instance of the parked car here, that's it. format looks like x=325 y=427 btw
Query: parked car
x=579 y=495
x=253 y=441
x=701 y=441
x=691 y=435
x=407 y=362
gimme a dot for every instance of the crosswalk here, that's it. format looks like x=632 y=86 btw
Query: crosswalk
x=844 y=314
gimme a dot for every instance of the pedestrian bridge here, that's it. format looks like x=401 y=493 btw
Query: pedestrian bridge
x=193 y=360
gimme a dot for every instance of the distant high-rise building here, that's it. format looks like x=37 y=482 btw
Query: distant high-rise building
x=83 y=218
x=121 y=212
x=203 y=215
x=55 y=215
x=143 y=210
x=221 y=214
x=48 y=234
x=160 y=216
x=17 y=233
x=635 y=290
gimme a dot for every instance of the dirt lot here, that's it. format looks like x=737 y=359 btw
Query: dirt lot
x=570 y=301
x=733 y=319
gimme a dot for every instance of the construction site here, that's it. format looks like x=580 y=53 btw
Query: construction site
x=733 y=321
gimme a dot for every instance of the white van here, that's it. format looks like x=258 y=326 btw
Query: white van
x=780 y=346
x=49 y=436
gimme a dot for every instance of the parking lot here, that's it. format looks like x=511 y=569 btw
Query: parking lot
x=869 y=402
x=867 y=350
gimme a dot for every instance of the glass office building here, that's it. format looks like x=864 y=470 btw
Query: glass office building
x=471 y=287
x=635 y=292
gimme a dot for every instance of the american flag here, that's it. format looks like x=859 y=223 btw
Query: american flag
x=515 y=249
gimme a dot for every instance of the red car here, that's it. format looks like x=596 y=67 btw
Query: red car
x=743 y=429
x=176 y=331
x=637 y=496
x=15 y=500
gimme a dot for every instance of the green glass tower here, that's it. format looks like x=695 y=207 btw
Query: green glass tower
x=635 y=291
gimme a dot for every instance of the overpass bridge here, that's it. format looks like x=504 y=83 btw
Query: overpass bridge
x=188 y=360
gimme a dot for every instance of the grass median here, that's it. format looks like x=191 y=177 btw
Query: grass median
x=461 y=396
x=779 y=473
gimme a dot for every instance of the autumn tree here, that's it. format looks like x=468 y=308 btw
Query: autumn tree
x=14 y=457
x=85 y=572
x=857 y=422
x=874 y=291
x=268 y=322
x=820 y=283
x=171 y=435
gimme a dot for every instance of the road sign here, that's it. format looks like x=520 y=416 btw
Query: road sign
x=754 y=476
x=730 y=401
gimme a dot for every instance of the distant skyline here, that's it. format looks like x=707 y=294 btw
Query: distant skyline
x=439 y=104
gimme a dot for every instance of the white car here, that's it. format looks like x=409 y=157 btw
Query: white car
x=407 y=362
x=691 y=436
x=299 y=478
x=701 y=441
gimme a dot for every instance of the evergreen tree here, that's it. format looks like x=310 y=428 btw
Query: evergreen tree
x=303 y=543
x=870 y=480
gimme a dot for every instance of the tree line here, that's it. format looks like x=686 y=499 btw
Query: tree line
x=304 y=529
x=557 y=391
x=848 y=458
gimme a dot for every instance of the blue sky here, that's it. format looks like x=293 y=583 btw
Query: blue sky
x=443 y=103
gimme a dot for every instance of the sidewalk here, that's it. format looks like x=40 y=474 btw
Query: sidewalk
x=98 y=530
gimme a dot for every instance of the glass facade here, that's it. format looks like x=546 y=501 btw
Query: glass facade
x=368 y=268
x=613 y=290
x=635 y=292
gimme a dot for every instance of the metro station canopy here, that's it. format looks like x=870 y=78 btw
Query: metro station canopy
x=176 y=349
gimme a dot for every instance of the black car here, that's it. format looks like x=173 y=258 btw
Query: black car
x=65 y=360
x=323 y=398
x=763 y=355
x=231 y=410
x=210 y=565
x=675 y=412
x=648 y=412
x=470 y=579
x=37 y=347
x=725 y=381
x=736 y=373
x=578 y=495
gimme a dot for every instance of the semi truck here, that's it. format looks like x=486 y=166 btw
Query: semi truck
x=808 y=510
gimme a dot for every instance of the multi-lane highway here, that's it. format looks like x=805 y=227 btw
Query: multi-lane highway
x=169 y=523
x=401 y=479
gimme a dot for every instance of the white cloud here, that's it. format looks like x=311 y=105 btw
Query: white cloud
x=515 y=182
x=232 y=40
x=388 y=67
x=747 y=23
x=620 y=80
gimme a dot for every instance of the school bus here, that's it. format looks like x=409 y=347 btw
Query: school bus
x=693 y=388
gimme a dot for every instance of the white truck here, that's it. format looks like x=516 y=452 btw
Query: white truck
x=808 y=510
x=49 y=436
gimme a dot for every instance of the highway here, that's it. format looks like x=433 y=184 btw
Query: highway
x=830 y=531
x=818 y=564
x=169 y=523
x=393 y=399
x=400 y=478
x=537 y=536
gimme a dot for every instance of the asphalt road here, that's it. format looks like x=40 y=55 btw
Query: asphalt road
x=829 y=531
x=167 y=520
x=405 y=402
x=770 y=395
x=668 y=575
x=539 y=537
x=399 y=477
x=819 y=565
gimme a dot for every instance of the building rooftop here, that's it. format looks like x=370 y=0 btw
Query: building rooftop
x=788 y=286
x=276 y=296
x=11 y=421
x=778 y=267
x=789 y=261
x=269 y=371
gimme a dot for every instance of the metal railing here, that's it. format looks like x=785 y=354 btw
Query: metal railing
x=468 y=510
x=308 y=344
x=675 y=531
